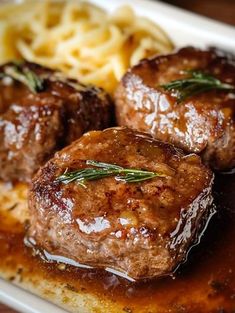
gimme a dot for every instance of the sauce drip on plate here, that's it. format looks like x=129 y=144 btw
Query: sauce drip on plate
x=205 y=283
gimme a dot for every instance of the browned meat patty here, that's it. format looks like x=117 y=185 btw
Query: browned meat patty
x=144 y=228
x=33 y=125
x=203 y=123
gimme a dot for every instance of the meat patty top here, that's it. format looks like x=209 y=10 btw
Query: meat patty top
x=36 y=123
x=202 y=123
x=144 y=228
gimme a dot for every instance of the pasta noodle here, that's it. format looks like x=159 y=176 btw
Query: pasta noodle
x=79 y=38
x=13 y=200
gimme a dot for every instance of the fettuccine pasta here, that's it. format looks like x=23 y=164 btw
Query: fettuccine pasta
x=80 y=39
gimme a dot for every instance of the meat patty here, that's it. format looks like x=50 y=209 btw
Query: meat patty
x=33 y=125
x=144 y=228
x=203 y=123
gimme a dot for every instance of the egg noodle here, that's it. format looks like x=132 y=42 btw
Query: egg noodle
x=79 y=38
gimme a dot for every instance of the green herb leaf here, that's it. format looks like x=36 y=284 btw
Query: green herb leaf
x=101 y=170
x=197 y=82
x=25 y=76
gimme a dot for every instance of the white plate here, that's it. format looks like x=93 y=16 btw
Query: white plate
x=185 y=29
x=24 y=301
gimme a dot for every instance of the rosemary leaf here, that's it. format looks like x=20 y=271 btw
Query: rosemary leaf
x=25 y=76
x=101 y=170
x=197 y=82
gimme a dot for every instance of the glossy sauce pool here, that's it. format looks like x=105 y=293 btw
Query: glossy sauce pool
x=206 y=283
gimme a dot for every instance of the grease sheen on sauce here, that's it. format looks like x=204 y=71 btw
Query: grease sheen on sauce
x=206 y=283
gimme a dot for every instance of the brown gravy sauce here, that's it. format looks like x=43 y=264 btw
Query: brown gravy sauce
x=206 y=283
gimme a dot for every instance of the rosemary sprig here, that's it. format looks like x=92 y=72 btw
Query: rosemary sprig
x=197 y=82
x=24 y=75
x=101 y=170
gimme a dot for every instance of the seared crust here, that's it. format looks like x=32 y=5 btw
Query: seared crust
x=35 y=125
x=143 y=229
x=203 y=123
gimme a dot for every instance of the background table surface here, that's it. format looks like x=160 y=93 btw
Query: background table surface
x=222 y=10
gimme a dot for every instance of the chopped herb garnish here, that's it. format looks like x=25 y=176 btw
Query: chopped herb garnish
x=197 y=82
x=101 y=170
